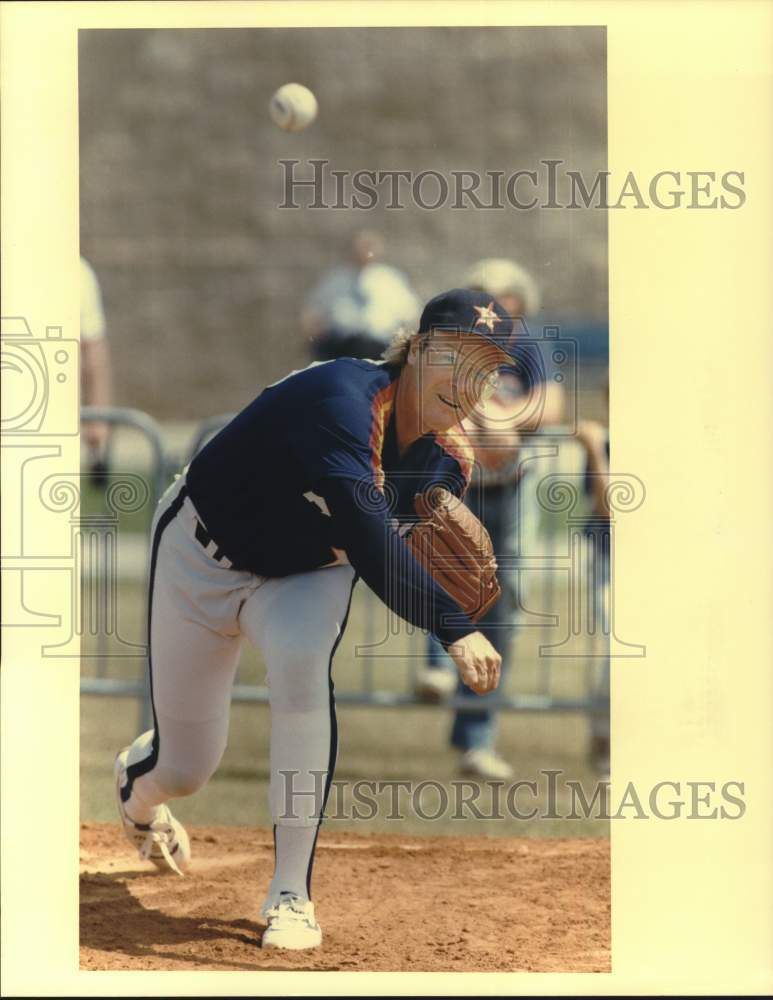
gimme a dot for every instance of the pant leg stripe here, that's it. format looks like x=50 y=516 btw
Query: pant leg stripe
x=333 y=735
x=141 y=767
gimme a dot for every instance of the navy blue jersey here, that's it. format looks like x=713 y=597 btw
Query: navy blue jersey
x=310 y=469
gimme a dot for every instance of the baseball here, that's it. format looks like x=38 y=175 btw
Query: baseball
x=293 y=107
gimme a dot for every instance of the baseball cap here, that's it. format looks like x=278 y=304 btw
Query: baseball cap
x=463 y=311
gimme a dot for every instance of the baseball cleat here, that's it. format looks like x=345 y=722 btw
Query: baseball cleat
x=291 y=924
x=164 y=840
x=485 y=764
x=435 y=684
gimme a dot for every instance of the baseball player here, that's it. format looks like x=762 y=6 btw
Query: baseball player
x=263 y=536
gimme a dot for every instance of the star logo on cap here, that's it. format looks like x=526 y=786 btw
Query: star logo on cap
x=486 y=315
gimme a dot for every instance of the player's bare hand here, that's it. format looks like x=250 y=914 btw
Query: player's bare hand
x=478 y=663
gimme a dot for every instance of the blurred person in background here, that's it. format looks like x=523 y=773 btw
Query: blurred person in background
x=594 y=437
x=356 y=309
x=96 y=380
x=497 y=497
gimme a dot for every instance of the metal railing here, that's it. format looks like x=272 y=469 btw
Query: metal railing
x=553 y=627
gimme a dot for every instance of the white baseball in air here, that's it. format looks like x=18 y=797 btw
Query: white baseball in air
x=293 y=107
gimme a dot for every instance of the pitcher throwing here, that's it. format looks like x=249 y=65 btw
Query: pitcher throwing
x=263 y=536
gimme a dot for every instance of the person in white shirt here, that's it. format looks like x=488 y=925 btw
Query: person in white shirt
x=355 y=309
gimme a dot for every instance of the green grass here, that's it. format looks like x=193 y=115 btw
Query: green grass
x=409 y=743
x=375 y=743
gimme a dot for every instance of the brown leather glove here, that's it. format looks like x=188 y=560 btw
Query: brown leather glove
x=454 y=547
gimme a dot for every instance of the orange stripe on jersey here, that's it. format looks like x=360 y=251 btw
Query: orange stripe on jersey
x=457 y=444
x=381 y=410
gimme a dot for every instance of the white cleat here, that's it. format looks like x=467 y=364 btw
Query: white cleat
x=435 y=684
x=291 y=924
x=485 y=764
x=163 y=841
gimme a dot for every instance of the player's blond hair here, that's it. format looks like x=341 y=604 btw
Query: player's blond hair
x=397 y=351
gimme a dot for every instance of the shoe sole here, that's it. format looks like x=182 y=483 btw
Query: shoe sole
x=117 y=769
x=290 y=947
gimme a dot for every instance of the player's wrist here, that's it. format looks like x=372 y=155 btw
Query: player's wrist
x=450 y=636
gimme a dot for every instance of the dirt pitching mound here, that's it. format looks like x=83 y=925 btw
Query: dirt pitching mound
x=385 y=903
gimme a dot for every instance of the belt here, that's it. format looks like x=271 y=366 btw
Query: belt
x=206 y=541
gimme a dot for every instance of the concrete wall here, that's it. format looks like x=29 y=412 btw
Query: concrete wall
x=203 y=275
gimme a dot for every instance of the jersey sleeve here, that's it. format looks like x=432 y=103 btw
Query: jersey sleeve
x=380 y=556
x=336 y=440
x=342 y=445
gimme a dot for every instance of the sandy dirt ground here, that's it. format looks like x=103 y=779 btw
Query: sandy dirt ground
x=389 y=904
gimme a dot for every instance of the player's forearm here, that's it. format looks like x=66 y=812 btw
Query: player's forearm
x=383 y=560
